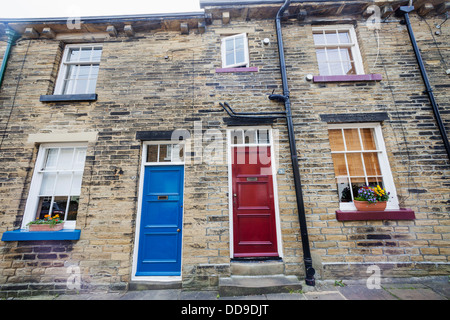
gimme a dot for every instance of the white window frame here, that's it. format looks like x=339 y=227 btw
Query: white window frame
x=385 y=168
x=246 y=54
x=356 y=52
x=59 y=86
x=36 y=181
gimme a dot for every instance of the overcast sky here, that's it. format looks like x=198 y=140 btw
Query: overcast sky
x=83 y=8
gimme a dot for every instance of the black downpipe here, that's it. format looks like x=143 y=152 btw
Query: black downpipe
x=309 y=280
x=404 y=10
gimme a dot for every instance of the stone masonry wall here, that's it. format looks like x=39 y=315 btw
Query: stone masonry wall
x=162 y=80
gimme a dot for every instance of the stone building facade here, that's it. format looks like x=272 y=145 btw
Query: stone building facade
x=163 y=73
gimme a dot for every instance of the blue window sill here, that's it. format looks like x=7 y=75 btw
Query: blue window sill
x=25 y=235
x=68 y=97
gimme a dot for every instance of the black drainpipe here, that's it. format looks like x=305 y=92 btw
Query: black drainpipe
x=404 y=10
x=309 y=280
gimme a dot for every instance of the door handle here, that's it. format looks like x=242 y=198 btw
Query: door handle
x=178 y=230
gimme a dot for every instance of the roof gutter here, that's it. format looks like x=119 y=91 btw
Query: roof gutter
x=404 y=10
x=309 y=280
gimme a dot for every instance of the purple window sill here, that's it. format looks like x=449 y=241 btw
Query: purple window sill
x=229 y=70
x=401 y=214
x=348 y=78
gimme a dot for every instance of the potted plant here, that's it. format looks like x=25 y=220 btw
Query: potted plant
x=49 y=223
x=371 y=199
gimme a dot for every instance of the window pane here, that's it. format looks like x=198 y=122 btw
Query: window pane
x=263 y=136
x=59 y=207
x=346 y=54
x=76 y=183
x=74 y=55
x=336 y=140
x=344 y=37
x=331 y=37
x=48 y=184
x=84 y=71
x=340 y=168
x=319 y=38
x=68 y=86
x=372 y=164
x=229 y=58
x=333 y=54
x=63 y=183
x=80 y=157
x=50 y=162
x=323 y=69
x=240 y=56
x=336 y=69
x=349 y=67
x=164 y=152
x=177 y=152
x=321 y=57
x=355 y=165
x=80 y=87
x=96 y=54
x=65 y=159
x=43 y=207
x=368 y=139
x=152 y=153
x=250 y=136
x=72 y=71
x=85 y=54
x=352 y=139
x=73 y=208
x=344 y=190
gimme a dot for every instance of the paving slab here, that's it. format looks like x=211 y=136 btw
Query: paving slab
x=199 y=295
x=169 y=294
x=360 y=292
x=415 y=294
x=285 y=296
x=326 y=295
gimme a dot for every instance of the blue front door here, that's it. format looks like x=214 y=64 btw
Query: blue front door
x=159 y=252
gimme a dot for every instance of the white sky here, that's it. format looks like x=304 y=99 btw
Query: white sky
x=84 y=8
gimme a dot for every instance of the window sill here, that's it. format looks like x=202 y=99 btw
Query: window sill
x=401 y=214
x=348 y=78
x=25 y=235
x=68 y=97
x=233 y=70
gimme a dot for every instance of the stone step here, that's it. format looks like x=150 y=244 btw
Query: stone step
x=153 y=285
x=256 y=268
x=252 y=285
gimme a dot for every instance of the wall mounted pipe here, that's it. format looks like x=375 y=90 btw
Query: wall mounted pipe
x=404 y=10
x=12 y=37
x=309 y=279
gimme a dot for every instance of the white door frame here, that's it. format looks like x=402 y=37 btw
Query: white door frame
x=144 y=164
x=274 y=165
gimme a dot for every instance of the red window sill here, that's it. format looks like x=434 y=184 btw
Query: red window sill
x=401 y=214
x=229 y=70
x=348 y=78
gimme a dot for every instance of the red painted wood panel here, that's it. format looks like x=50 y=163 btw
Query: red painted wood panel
x=254 y=229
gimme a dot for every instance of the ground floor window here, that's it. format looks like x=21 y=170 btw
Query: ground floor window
x=56 y=183
x=359 y=159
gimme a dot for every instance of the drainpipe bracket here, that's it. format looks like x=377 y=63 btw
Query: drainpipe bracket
x=403 y=9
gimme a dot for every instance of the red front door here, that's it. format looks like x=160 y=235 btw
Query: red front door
x=254 y=228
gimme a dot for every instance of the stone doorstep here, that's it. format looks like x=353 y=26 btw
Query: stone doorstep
x=153 y=285
x=253 y=285
x=257 y=268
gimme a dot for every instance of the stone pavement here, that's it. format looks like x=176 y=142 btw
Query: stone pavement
x=427 y=288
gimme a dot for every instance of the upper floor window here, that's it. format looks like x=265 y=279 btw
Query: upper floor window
x=337 y=50
x=235 y=51
x=79 y=69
